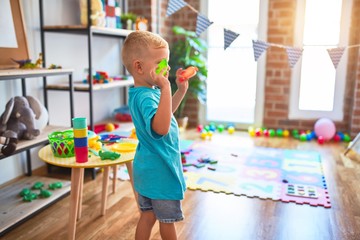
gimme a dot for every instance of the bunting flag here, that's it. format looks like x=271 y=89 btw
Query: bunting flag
x=202 y=24
x=336 y=54
x=229 y=37
x=259 y=47
x=174 y=6
x=293 y=55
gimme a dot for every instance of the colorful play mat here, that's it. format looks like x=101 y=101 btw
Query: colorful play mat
x=266 y=173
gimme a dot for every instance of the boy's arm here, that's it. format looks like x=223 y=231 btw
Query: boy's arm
x=162 y=118
x=180 y=93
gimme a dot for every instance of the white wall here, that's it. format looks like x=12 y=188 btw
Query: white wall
x=69 y=51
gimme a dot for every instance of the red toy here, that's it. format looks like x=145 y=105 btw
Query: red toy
x=188 y=73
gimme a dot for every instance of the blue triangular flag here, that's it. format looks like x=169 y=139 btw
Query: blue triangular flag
x=202 y=24
x=174 y=6
x=259 y=47
x=335 y=55
x=293 y=55
x=229 y=37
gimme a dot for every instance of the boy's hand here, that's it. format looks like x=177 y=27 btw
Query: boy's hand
x=182 y=85
x=161 y=79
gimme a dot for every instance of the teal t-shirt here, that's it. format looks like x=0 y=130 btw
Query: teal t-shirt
x=157 y=170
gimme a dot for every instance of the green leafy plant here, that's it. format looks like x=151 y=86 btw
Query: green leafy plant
x=189 y=50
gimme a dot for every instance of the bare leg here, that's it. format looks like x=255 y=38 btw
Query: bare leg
x=145 y=225
x=168 y=231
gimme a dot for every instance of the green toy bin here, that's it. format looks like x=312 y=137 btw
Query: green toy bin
x=62 y=143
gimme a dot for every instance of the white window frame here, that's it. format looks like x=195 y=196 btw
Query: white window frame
x=337 y=113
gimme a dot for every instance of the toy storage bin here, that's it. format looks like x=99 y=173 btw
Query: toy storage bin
x=62 y=143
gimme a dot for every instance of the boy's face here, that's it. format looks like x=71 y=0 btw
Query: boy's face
x=152 y=59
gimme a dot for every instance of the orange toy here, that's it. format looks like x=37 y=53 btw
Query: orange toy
x=188 y=73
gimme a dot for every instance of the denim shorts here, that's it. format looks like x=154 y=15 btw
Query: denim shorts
x=166 y=211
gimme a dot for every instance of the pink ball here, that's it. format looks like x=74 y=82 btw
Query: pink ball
x=325 y=127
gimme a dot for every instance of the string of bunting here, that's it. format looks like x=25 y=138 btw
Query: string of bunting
x=293 y=53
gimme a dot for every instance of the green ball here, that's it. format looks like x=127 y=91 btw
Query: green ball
x=347 y=138
x=220 y=128
x=272 y=133
x=295 y=132
x=279 y=132
x=303 y=137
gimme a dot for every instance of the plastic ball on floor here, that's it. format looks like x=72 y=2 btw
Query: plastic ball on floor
x=303 y=137
x=337 y=138
x=231 y=129
x=203 y=135
x=220 y=128
x=321 y=140
x=200 y=128
x=272 y=133
x=258 y=132
x=251 y=131
x=279 y=132
x=286 y=133
x=347 y=138
x=266 y=133
x=325 y=127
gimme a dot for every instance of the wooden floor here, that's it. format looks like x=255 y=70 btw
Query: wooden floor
x=214 y=215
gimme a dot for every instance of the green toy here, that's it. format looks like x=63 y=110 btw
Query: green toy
x=55 y=185
x=25 y=192
x=29 y=197
x=109 y=155
x=45 y=193
x=162 y=64
x=38 y=185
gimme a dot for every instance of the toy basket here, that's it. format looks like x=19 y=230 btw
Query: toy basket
x=62 y=143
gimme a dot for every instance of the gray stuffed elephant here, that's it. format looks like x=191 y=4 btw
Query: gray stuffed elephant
x=18 y=119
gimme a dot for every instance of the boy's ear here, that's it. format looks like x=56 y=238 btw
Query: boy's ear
x=137 y=66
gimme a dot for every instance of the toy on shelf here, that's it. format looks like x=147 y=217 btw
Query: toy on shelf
x=99 y=77
x=188 y=73
x=18 y=121
x=122 y=114
x=27 y=64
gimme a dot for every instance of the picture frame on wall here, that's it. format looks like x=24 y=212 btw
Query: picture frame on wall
x=13 y=43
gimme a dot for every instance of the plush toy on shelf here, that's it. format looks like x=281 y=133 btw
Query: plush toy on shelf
x=18 y=121
x=97 y=15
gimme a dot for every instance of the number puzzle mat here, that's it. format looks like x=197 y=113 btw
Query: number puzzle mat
x=266 y=173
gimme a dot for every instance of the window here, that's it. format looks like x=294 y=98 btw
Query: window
x=235 y=80
x=317 y=88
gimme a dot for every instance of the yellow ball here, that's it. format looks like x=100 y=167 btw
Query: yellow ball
x=286 y=133
x=109 y=127
x=231 y=130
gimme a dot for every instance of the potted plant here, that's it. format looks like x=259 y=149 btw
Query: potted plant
x=189 y=50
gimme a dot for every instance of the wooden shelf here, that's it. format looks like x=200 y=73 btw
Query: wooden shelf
x=79 y=29
x=42 y=139
x=14 y=210
x=31 y=73
x=79 y=86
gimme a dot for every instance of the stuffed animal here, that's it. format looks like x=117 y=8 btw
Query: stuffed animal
x=97 y=15
x=18 y=121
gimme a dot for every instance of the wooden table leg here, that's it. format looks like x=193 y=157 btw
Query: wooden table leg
x=129 y=166
x=115 y=170
x=74 y=201
x=80 y=193
x=105 y=190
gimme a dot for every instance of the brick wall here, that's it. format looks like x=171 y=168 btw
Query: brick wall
x=278 y=74
x=352 y=96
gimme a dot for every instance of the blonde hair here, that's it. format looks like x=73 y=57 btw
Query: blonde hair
x=136 y=44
